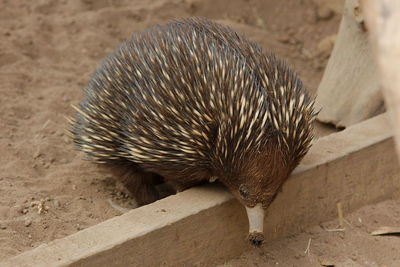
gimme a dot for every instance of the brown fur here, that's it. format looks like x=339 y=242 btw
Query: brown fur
x=263 y=173
x=140 y=183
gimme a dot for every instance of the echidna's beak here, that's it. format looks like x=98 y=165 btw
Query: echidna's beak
x=256 y=224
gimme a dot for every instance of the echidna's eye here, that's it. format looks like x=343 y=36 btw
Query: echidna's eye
x=243 y=191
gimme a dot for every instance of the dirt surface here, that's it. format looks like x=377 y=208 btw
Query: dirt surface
x=48 y=50
x=324 y=245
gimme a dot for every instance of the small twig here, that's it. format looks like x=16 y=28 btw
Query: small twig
x=341 y=220
x=340 y=214
x=336 y=230
x=307 y=251
x=45 y=124
x=346 y=221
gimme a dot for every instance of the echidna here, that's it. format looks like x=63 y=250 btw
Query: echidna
x=194 y=101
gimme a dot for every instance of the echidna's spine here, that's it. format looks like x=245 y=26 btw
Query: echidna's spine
x=192 y=93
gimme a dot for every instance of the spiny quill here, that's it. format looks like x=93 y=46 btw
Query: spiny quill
x=193 y=101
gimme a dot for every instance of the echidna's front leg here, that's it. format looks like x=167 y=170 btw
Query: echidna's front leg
x=141 y=184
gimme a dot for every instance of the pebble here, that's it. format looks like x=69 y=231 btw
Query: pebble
x=325 y=46
x=3 y=227
x=56 y=203
x=324 y=13
x=28 y=222
x=260 y=22
x=66 y=139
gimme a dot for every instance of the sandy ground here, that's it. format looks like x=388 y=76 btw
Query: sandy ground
x=321 y=245
x=48 y=50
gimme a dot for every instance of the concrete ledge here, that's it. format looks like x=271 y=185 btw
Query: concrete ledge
x=206 y=226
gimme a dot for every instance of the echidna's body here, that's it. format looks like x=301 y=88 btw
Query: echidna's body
x=193 y=101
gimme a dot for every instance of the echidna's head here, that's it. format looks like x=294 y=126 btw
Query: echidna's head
x=259 y=176
x=257 y=150
x=256 y=182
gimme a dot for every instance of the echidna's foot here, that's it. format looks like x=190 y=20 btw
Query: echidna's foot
x=144 y=193
x=166 y=189
x=140 y=184
x=148 y=193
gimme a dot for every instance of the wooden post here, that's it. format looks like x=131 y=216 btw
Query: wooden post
x=349 y=90
x=383 y=22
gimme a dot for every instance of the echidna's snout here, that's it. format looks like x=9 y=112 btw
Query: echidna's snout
x=256 y=224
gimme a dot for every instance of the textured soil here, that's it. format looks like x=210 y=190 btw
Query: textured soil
x=49 y=49
x=325 y=245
